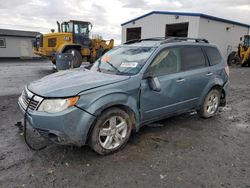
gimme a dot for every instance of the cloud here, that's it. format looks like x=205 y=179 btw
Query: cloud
x=106 y=16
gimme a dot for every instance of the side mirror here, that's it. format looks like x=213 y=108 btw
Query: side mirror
x=240 y=38
x=148 y=74
x=154 y=84
x=153 y=81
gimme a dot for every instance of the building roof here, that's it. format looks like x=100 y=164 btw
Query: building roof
x=188 y=14
x=17 y=33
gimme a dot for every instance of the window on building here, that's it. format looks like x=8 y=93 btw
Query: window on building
x=133 y=33
x=192 y=58
x=177 y=30
x=2 y=43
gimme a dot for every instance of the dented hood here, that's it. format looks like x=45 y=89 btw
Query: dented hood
x=71 y=82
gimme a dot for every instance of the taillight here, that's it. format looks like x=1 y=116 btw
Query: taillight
x=227 y=70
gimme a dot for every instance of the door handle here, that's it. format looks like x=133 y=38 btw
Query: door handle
x=180 y=80
x=209 y=74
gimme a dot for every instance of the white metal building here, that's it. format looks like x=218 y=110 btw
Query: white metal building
x=16 y=44
x=224 y=33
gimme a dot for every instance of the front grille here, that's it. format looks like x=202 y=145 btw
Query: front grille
x=26 y=98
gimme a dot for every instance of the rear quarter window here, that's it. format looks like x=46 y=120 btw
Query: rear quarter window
x=214 y=55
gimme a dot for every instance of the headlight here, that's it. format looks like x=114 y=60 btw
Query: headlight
x=57 y=105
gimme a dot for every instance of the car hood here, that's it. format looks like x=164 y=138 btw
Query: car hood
x=71 y=82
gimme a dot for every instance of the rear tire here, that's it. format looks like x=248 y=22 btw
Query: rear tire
x=77 y=57
x=210 y=104
x=111 y=131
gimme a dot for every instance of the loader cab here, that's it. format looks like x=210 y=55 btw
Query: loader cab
x=247 y=40
x=80 y=31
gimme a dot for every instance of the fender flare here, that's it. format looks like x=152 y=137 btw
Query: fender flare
x=64 y=47
x=110 y=99
x=107 y=100
x=213 y=83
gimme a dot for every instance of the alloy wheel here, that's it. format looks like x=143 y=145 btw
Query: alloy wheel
x=212 y=104
x=113 y=132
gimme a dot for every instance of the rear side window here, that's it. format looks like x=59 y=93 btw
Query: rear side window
x=192 y=58
x=213 y=54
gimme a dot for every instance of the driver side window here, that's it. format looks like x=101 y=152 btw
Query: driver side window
x=168 y=61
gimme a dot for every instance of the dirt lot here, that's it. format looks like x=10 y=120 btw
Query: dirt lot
x=183 y=151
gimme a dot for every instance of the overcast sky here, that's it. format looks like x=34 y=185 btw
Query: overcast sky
x=107 y=15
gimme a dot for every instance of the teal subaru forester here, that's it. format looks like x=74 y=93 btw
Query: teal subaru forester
x=134 y=84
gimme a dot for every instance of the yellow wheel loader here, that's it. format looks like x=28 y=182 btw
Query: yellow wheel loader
x=72 y=37
x=242 y=57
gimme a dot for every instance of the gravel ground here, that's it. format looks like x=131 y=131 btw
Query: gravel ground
x=182 y=151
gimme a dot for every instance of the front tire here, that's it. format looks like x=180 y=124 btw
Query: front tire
x=77 y=57
x=210 y=104
x=111 y=131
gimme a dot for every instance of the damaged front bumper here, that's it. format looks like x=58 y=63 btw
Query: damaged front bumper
x=69 y=127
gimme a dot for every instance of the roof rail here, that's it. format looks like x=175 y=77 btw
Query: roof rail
x=146 y=39
x=132 y=41
x=167 y=39
x=178 y=39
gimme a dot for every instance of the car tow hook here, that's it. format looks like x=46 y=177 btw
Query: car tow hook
x=23 y=128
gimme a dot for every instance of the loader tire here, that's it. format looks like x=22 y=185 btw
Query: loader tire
x=53 y=62
x=77 y=57
x=236 y=61
x=230 y=58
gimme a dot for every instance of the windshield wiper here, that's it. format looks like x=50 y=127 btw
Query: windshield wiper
x=115 y=68
x=98 y=66
x=110 y=64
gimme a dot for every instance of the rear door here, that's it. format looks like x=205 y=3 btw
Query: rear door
x=196 y=71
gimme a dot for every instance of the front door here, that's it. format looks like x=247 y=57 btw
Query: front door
x=24 y=49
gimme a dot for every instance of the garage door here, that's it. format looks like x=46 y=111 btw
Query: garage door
x=177 y=30
x=133 y=33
